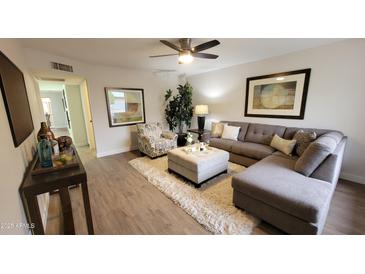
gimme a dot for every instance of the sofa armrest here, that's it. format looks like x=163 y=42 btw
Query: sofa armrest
x=329 y=170
x=169 y=135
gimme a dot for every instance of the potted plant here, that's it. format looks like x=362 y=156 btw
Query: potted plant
x=179 y=110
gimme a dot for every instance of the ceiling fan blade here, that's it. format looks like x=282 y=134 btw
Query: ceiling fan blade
x=205 y=46
x=171 y=45
x=204 y=55
x=163 y=55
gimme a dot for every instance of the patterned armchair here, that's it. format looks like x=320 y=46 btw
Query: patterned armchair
x=154 y=142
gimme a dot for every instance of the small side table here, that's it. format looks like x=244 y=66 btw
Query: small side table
x=59 y=180
x=203 y=135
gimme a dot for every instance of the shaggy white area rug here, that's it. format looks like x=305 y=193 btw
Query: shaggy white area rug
x=211 y=205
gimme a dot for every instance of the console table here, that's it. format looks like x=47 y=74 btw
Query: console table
x=61 y=180
x=203 y=135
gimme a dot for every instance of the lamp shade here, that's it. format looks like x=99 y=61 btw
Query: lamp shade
x=201 y=110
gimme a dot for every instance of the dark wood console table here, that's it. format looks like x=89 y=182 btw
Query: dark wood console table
x=203 y=135
x=61 y=180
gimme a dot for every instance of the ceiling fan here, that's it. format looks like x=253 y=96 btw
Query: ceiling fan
x=187 y=53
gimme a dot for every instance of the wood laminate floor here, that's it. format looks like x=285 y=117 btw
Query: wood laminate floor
x=123 y=202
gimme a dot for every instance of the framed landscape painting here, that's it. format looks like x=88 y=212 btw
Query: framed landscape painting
x=280 y=95
x=125 y=106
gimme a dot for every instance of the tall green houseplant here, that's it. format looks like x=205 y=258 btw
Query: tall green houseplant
x=179 y=108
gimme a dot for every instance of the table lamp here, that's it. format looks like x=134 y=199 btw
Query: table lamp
x=201 y=111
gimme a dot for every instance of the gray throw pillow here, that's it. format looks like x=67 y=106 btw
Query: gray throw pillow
x=303 y=140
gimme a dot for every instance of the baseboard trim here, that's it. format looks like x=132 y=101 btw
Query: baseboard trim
x=353 y=178
x=115 y=151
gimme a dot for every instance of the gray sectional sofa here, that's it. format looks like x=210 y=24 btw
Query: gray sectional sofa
x=292 y=193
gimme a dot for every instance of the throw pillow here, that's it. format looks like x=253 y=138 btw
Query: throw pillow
x=230 y=132
x=217 y=130
x=303 y=140
x=168 y=135
x=283 y=145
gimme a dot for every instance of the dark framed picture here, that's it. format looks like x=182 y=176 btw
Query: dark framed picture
x=125 y=106
x=279 y=95
x=15 y=98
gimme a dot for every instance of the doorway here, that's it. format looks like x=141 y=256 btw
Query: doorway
x=66 y=110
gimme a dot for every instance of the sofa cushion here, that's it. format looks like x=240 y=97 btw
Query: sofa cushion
x=242 y=125
x=222 y=143
x=252 y=150
x=317 y=152
x=280 y=154
x=263 y=134
x=274 y=182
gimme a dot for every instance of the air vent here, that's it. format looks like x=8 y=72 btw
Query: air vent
x=63 y=67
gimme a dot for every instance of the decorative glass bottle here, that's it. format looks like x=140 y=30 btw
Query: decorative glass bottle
x=45 y=151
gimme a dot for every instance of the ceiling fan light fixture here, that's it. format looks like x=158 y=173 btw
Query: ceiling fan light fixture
x=185 y=57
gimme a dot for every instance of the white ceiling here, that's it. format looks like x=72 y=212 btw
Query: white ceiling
x=134 y=53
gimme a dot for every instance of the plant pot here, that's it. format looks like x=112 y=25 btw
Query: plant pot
x=181 y=139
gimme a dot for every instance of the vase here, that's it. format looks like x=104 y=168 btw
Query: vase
x=181 y=139
x=45 y=153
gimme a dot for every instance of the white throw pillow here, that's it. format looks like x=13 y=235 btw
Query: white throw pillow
x=283 y=145
x=230 y=132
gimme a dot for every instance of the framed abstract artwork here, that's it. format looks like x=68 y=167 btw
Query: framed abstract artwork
x=280 y=95
x=125 y=106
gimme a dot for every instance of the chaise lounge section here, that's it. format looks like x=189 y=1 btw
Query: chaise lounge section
x=290 y=192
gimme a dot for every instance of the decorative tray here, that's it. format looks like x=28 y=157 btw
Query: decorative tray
x=58 y=164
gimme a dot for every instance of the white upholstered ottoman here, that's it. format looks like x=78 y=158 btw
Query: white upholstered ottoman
x=198 y=166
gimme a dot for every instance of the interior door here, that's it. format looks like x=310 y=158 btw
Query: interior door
x=65 y=107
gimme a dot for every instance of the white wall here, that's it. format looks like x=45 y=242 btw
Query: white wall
x=116 y=139
x=59 y=115
x=13 y=161
x=336 y=94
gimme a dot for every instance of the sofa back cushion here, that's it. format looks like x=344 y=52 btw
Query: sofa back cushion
x=290 y=131
x=317 y=152
x=243 y=130
x=263 y=134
